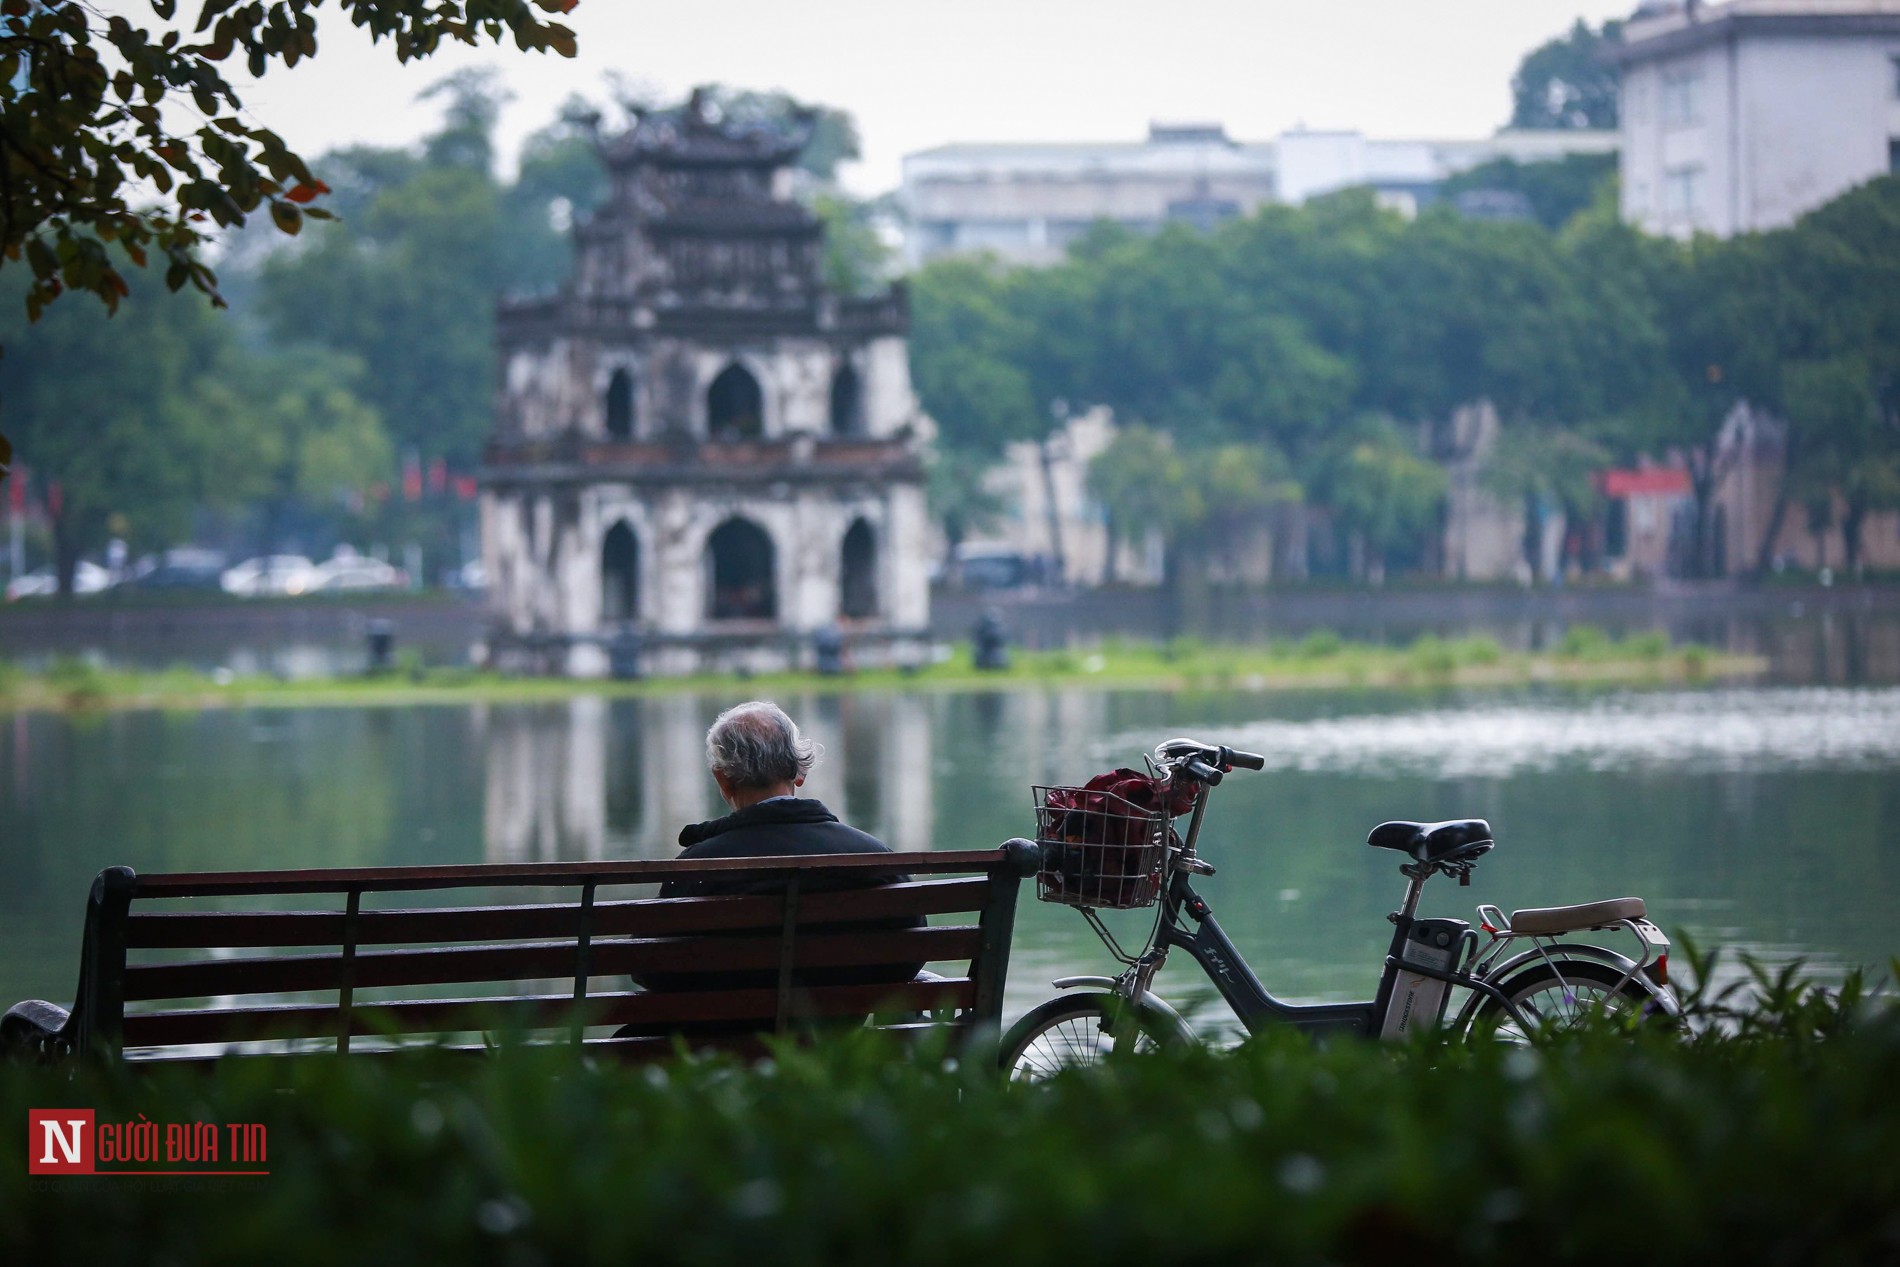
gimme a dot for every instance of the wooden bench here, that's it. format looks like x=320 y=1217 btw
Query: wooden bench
x=164 y=978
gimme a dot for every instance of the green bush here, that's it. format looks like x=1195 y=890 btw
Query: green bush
x=1477 y=649
x=1320 y=645
x=79 y=681
x=1770 y=1142
x=1583 y=642
x=1653 y=645
x=1183 y=647
x=1433 y=656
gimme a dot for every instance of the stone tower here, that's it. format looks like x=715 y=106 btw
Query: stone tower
x=703 y=459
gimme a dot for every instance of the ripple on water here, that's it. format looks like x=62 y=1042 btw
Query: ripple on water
x=1717 y=730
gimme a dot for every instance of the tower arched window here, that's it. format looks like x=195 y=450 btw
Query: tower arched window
x=847 y=402
x=620 y=405
x=619 y=576
x=735 y=407
x=857 y=588
x=741 y=573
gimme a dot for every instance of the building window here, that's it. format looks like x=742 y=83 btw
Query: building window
x=620 y=405
x=1682 y=192
x=735 y=408
x=1893 y=154
x=993 y=235
x=857 y=598
x=847 y=402
x=1679 y=100
x=741 y=566
x=619 y=576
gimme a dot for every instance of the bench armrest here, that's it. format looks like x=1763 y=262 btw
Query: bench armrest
x=34 y=1030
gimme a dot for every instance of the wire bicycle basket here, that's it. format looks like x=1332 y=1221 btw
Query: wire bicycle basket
x=1100 y=850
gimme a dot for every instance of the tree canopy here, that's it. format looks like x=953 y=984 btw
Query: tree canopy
x=1568 y=82
x=100 y=170
x=1337 y=340
x=90 y=111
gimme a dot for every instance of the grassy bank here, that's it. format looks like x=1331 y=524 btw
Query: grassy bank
x=1769 y=1143
x=1321 y=660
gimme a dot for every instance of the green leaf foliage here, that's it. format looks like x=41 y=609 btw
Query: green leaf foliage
x=93 y=106
x=1770 y=1144
x=133 y=425
x=1569 y=82
x=1288 y=330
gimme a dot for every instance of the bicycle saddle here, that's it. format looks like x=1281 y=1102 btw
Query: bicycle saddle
x=1455 y=840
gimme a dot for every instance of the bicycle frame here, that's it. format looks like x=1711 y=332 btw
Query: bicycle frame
x=1211 y=948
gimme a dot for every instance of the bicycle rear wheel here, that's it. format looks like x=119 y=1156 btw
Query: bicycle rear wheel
x=1076 y=1031
x=1565 y=995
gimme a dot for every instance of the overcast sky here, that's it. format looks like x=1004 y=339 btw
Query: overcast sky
x=919 y=73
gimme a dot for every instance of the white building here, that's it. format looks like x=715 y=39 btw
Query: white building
x=1742 y=116
x=1029 y=202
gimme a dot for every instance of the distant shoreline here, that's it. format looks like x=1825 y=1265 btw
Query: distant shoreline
x=1317 y=662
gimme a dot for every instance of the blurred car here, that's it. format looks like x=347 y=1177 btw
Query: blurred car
x=271 y=574
x=471 y=577
x=88 y=578
x=358 y=573
x=993 y=567
x=183 y=568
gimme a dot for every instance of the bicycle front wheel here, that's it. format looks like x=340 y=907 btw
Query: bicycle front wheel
x=1076 y=1031
x=1564 y=995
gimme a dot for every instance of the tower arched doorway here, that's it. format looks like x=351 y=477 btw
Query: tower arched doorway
x=741 y=573
x=847 y=402
x=857 y=587
x=735 y=407
x=620 y=576
x=620 y=405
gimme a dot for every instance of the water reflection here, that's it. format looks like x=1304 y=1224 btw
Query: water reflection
x=1749 y=817
x=592 y=778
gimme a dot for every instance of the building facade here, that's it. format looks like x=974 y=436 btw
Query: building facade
x=1028 y=203
x=1743 y=116
x=702 y=458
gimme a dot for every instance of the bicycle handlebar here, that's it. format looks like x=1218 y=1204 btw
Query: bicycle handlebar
x=1199 y=769
x=1245 y=760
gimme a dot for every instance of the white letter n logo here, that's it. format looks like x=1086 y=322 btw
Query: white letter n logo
x=50 y=1127
x=59 y=1141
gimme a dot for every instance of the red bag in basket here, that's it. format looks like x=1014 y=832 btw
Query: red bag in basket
x=1111 y=810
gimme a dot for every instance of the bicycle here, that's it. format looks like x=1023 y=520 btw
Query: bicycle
x=1102 y=849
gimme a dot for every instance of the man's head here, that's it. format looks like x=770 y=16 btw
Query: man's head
x=756 y=751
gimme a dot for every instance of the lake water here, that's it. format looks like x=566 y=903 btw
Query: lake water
x=1760 y=818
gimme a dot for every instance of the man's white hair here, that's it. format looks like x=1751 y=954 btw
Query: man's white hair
x=756 y=745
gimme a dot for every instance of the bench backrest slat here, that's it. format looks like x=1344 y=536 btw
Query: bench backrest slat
x=650 y=917
x=477 y=875
x=547 y=1011
x=536 y=961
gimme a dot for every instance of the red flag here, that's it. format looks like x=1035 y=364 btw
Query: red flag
x=411 y=479
x=438 y=476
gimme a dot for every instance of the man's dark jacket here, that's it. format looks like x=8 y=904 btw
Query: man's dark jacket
x=783 y=825
x=777 y=828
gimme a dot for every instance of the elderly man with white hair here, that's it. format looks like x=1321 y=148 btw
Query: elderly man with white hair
x=760 y=760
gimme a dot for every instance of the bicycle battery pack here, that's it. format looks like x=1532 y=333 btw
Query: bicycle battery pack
x=1418 y=1001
